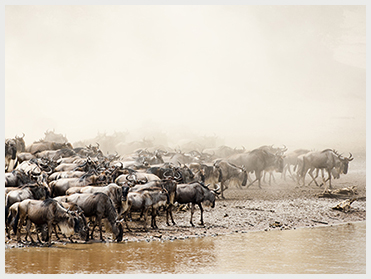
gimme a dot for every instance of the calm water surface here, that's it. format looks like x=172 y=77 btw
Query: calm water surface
x=336 y=249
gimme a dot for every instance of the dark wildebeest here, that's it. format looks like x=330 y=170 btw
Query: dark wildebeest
x=118 y=194
x=230 y=172
x=10 y=154
x=100 y=206
x=17 y=178
x=195 y=193
x=327 y=159
x=170 y=186
x=28 y=191
x=146 y=199
x=256 y=161
x=48 y=212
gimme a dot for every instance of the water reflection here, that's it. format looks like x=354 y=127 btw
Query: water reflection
x=337 y=249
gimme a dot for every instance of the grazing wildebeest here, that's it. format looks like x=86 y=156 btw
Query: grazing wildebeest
x=100 y=206
x=327 y=159
x=118 y=194
x=229 y=171
x=196 y=193
x=256 y=161
x=28 y=191
x=48 y=212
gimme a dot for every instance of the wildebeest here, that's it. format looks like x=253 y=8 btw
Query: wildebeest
x=118 y=194
x=28 y=191
x=146 y=199
x=100 y=206
x=60 y=186
x=16 y=178
x=65 y=174
x=291 y=159
x=327 y=159
x=136 y=178
x=196 y=193
x=230 y=171
x=10 y=154
x=209 y=174
x=278 y=151
x=48 y=212
x=42 y=145
x=256 y=161
x=169 y=185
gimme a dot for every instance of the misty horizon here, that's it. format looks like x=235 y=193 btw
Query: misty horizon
x=244 y=75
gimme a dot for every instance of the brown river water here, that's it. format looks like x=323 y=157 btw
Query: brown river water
x=329 y=249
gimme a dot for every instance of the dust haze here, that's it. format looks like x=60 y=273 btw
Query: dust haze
x=218 y=75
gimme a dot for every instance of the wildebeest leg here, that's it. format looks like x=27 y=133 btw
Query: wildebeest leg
x=202 y=215
x=257 y=178
x=28 y=231
x=153 y=220
x=222 y=189
x=169 y=212
x=192 y=211
x=50 y=228
x=99 y=221
x=145 y=218
x=274 y=179
x=310 y=172
x=329 y=178
x=19 y=225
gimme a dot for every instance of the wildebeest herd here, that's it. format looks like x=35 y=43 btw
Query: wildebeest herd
x=69 y=190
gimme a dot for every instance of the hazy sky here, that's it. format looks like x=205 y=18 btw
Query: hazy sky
x=251 y=75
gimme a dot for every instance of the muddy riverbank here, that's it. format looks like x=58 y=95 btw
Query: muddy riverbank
x=280 y=206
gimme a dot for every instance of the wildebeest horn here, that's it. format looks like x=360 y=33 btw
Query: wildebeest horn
x=35 y=173
x=216 y=191
x=131 y=178
x=350 y=157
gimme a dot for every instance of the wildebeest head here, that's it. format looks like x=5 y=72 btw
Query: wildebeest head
x=210 y=197
x=125 y=191
x=345 y=163
x=120 y=231
x=21 y=145
x=278 y=163
x=11 y=148
x=80 y=224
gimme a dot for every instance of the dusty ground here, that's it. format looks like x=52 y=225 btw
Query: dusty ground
x=280 y=206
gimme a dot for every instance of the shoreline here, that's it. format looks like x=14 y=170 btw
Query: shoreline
x=230 y=217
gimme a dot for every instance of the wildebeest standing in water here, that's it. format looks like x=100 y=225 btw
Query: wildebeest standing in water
x=100 y=206
x=48 y=212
